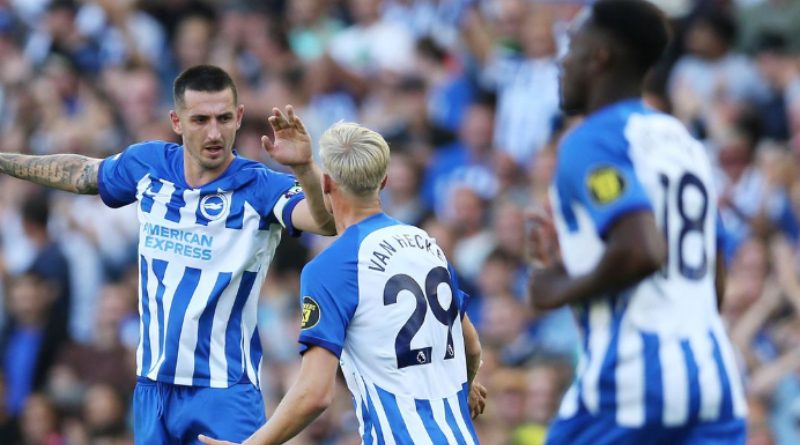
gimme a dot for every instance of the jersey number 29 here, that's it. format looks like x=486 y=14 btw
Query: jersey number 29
x=428 y=298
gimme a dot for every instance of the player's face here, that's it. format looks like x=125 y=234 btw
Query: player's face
x=207 y=122
x=574 y=68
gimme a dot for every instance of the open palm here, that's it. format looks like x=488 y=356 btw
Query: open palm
x=292 y=144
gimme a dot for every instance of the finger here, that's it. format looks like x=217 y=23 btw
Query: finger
x=267 y=144
x=544 y=222
x=277 y=113
x=297 y=123
x=275 y=123
x=539 y=217
x=535 y=214
x=549 y=225
x=209 y=441
x=537 y=244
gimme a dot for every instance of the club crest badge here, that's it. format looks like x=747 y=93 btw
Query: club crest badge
x=213 y=206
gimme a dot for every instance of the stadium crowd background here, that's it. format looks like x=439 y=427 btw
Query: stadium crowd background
x=466 y=93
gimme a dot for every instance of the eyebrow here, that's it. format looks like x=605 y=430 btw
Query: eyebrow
x=201 y=115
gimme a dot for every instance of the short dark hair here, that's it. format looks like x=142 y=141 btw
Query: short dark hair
x=722 y=25
x=772 y=42
x=202 y=78
x=638 y=25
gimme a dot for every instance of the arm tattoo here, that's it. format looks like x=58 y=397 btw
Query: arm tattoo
x=68 y=172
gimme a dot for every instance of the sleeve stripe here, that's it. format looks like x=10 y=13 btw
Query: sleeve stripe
x=283 y=201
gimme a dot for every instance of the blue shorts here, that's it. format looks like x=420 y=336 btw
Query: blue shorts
x=168 y=414
x=586 y=429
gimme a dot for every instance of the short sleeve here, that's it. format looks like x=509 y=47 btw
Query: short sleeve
x=286 y=194
x=462 y=298
x=328 y=301
x=119 y=175
x=597 y=172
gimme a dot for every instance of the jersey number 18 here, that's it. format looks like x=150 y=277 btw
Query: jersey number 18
x=688 y=223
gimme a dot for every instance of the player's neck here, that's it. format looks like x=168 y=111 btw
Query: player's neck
x=609 y=91
x=348 y=212
x=196 y=176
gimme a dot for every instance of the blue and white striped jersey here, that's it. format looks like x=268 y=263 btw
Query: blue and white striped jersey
x=656 y=353
x=203 y=255
x=385 y=301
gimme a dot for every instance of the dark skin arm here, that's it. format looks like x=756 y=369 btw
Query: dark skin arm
x=68 y=172
x=635 y=249
x=719 y=280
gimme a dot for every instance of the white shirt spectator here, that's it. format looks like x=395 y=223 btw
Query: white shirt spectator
x=425 y=18
x=527 y=102
x=150 y=37
x=377 y=47
x=733 y=76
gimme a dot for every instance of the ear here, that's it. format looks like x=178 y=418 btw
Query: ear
x=176 y=122
x=327 y=184
x=239 y=116
x=601 y=58
x=383 y=183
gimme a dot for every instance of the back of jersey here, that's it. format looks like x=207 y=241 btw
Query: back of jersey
x=656 y=352
x=402 y=350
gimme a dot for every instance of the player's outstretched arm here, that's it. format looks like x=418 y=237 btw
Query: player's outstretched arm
x=719 y=279
x=310 y=395
x=68 y=172
x=292 y=148
x=635 y=249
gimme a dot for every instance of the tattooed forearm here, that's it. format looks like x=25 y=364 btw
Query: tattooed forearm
x=68 y=172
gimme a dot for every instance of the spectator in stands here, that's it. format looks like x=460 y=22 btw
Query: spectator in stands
x=30 y=340
x=711 y=74
x=522 y=125
x=49 y=261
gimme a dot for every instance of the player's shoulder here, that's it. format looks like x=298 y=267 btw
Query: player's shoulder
x=155 y=149
x=604 y=130
x=153 y=156
x=339 y=252
x=258 y=184
x=335 y=265
x=256 y=170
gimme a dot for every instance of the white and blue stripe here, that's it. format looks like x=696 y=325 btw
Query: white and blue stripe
x=645 y=379
x=383 y=291
x=655 y=355
x=203 y=255
x=386 y=418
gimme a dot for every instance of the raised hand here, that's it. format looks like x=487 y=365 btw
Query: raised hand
x=292 y=144
x=543 y=248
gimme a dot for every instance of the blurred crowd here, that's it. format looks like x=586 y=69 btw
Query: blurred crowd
x=466 y=92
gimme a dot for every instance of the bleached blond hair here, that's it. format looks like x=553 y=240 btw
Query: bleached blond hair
x=355 y=157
